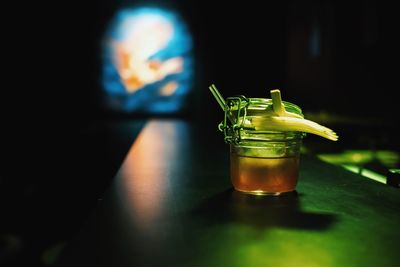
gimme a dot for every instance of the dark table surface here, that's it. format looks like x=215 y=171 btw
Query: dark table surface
x=171 y=204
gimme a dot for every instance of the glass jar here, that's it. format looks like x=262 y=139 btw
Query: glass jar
x=261 y=162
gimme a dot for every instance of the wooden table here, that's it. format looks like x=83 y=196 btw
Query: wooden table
x=171 y=204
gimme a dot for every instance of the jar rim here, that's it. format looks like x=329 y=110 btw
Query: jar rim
x=270 y=136
x=264 y=103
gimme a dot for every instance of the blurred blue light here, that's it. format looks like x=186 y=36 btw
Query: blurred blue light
x=147 y=61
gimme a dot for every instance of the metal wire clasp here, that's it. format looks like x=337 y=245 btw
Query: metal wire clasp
x=235 y=113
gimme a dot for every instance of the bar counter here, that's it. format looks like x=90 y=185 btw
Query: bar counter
x=172 y=204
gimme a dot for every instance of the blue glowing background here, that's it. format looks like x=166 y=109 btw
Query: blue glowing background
x=164 y=95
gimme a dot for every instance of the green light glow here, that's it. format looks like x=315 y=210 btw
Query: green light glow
x=386 y=157
x=353 y=160
x=366 y=173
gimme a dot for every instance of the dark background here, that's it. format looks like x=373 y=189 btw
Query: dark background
x=244 y=47
x=61 y=147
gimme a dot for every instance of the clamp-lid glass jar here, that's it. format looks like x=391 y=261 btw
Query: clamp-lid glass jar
x=261 y=162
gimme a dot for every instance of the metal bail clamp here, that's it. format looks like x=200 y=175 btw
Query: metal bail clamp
x=234 y=116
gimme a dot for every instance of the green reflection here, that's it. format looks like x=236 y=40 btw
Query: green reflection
x=357 y=160
x=386 y=157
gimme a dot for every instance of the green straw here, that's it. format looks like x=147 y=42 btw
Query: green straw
x=217 y=95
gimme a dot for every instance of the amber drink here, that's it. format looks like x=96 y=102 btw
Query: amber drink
x=262 y=162
x=267 y=173
x=265 y=137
